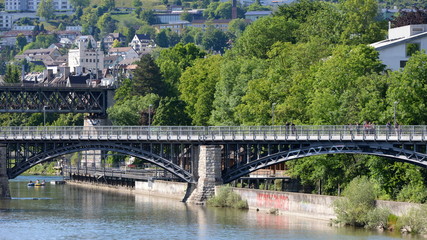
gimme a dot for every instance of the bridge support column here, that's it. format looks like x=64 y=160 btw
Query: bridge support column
x=209 y=173
x=4 y=180
x=93 y=158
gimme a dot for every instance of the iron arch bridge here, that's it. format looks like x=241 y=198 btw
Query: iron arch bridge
x=37 y=98
x=243 y=149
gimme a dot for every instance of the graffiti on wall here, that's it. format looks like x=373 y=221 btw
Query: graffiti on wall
x=271 y=200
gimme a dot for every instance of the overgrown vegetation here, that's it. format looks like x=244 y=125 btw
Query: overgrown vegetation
x=357 y=208
x=414 y=221
x=227 y=198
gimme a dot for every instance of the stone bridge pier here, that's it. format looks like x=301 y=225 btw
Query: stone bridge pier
x=208 y=172
x=4 y=180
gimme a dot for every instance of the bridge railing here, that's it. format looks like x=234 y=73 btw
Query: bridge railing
x=212 y=132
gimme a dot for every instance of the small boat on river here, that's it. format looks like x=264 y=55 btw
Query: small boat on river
x=31 y=184
x=40 y=184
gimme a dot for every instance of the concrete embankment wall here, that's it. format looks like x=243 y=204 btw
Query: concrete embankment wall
x=309 y=205
x=176 y=190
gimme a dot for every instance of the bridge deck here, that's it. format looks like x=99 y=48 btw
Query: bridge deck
x=215 y=134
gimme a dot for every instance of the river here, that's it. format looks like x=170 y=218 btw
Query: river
x=72 y=212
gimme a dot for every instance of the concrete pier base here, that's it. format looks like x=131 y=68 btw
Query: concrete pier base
x=4 y=180
x=93 y=158
x=209 y=173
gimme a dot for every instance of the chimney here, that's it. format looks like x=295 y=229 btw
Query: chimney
x=234 y=10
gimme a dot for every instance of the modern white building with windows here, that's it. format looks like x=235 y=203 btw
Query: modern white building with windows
x=402 y=42
x=31 y=5
x=85 y=59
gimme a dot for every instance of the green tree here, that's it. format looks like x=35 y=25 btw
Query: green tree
x=236 y=27
x=136 y=3
x=132 y=111
x=87 y=21
x=173 y=61
x=147 y=78
x=327 y=24
x=299 y=10
x=46 y=9
x=358 y=201
x=61 y=27
x=148 y=16
x=258 y=38
x=80 y=3
x=408 y=88
x=170 y=113
x=336 y=99
x=197 y=87
x=106 y=24
x=130 y=34
x=12 y=74
x=361 y=25
x=232 y=86
x=21 y=41
x=162 y=39
x=186 y=16
x=109 y=5
x=214 y=40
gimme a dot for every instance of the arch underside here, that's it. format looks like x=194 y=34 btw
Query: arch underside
x=127 y=149
x=377 y=149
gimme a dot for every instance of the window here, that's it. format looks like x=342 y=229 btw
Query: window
x=403 y=64
x=412 y=48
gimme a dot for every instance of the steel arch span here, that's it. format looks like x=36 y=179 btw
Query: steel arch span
x=48 y=154
x=406 y=153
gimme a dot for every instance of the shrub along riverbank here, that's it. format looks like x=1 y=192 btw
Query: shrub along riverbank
x=357 y=208
x=227 y=198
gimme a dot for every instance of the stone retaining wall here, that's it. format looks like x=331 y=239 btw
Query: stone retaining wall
x=309 y=205
x=176 y=190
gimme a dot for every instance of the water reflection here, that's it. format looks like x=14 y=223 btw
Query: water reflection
x=73 y=212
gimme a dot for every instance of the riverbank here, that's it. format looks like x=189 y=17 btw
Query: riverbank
x=283 y=203
x=306 y=205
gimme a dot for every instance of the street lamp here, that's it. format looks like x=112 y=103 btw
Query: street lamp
x=44 y=115
x=395 y=103
x=149 y=114
x=272 y=113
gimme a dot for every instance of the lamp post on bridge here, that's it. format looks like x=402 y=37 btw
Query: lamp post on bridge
x=272 y=113
x=149 y=115
x=44 y=115
x=394 y=115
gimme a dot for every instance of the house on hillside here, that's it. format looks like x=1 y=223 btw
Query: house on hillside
x=254 y=15
x=110 y=38
x=124 y=52
x=401 y=43
x=142 y=43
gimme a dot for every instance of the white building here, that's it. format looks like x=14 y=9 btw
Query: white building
x=7 y=19
x=402 y=42
x=84 y=59
x=31 y=5
x=142 y=43
x=123 y=52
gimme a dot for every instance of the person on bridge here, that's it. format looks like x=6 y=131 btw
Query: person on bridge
x=388 y=125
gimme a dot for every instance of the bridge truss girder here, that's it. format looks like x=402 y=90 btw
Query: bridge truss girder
x=53 y=99
x=273 y=154
x=171 y=157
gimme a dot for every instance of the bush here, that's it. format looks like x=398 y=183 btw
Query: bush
x=414 y=221
x=413 y=193
x=358 y=201
x=227 y=198
x=378 y=219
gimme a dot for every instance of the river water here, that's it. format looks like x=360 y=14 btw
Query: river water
x=72 y=212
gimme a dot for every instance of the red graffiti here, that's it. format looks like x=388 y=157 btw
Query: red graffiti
x=271 y=200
